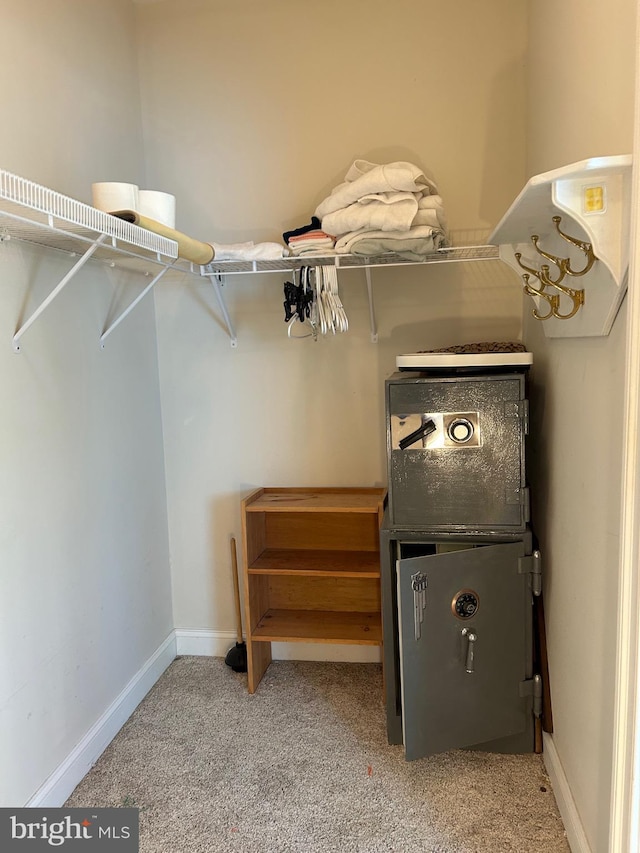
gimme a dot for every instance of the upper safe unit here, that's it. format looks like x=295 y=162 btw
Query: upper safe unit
x=567 y=236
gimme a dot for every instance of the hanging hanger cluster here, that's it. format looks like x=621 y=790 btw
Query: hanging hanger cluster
x=315 y=298
x=547 y=279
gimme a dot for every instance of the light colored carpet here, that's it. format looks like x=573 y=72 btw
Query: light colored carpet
x=303 y=766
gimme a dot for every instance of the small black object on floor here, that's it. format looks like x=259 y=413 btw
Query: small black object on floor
x=237 y=658
x=237 y=655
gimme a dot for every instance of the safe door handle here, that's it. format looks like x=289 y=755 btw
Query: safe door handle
x=426 y=429
x=471 y=642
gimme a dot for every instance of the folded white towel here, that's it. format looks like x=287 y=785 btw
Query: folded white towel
x=375 y=213
x=426 y=217
x=364 y=178
x=319 y=241
x=311 y=245
x=430 y=202
x=314 y=251
x=388 y=198
x=248 y=251
x=422 y=232
x=230 y=251
x=431 y=212
x=361 y=167
x=411 y=248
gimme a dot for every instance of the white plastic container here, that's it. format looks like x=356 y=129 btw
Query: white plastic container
x=158 y=205
x=110 y=196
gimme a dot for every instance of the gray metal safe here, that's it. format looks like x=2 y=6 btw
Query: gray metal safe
x=456 y=451
x=458 y=568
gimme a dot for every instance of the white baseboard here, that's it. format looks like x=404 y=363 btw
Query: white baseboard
x=566 y=805
x=57 y=788
x=192 y=641
x=204 y=643
x=60 y=784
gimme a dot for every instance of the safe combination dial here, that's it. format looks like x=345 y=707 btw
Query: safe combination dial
x=460 y=430
x=465 y=604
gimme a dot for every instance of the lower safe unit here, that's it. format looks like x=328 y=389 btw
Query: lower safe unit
x=458 y=641
x=311 y=569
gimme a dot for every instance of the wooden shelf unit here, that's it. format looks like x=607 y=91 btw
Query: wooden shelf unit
x=311 y=569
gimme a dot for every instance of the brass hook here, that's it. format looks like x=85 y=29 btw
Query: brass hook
x=585 y=247
x=533 y=272
x=545 y=280
x=559 y=262
x=553 y=301
x=577 y=297
x=543 y=275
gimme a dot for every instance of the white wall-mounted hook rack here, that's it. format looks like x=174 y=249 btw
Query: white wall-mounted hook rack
x=593 y=198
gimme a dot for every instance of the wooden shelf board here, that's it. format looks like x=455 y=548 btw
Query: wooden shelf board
x=299 y=561
x=319 y=626
x=318 y=500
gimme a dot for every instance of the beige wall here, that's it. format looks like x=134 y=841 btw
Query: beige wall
x=581 y=101
x=84 y=567
x=252 y=113
x=71 y=109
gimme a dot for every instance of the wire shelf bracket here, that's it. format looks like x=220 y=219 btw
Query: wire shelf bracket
x=372 y=311
x=217 y=282
x=57 y=289
x=128 y=310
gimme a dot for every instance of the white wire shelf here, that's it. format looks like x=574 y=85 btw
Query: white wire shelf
x=478 y=251
x=285 y=265
x=36 y=214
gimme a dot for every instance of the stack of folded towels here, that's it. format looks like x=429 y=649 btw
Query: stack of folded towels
x=309 y=240
x=383 y=208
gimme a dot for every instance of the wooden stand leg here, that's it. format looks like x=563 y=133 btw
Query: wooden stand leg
x=258 y=659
